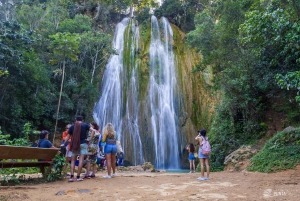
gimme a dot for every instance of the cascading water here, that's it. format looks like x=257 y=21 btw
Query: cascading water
x=148 y=128
x=131 y=122
x=110 y=106
x=162 y=85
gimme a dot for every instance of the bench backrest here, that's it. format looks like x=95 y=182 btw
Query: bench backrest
x=14 y=152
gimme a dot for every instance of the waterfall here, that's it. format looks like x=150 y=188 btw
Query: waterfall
x=108 y=108
x=131 y=122
x=110 y=105
x=148 y=128
x=161 y=92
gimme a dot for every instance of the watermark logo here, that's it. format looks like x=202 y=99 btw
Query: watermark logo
x=270 y=193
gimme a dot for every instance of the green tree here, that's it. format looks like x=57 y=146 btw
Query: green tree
x=79 y=24
x=25 y=90
x=7 y=10
x=57 y=12
x=64 y=46
x=31 y=16
x=273 y=35
x=97 y=48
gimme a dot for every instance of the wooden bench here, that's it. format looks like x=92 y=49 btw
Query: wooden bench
x=14 y=152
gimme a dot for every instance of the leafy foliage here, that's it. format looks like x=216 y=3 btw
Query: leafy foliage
x=274 y=34
x=247 y=43
x=29 y=84
x=181 y=13
x=281 y=152
x=79 y=24
x=59 y=161
x=29 y=137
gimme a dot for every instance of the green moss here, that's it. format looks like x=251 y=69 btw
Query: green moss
x=143 y=73
x=200 y=104
x=145 y=30
x=203 y=99
x=281 y=152
x=143 y=59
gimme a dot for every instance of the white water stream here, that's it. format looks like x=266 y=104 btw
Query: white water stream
x=161 y=93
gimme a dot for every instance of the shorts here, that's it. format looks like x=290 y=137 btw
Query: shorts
x=83 y=150
x=200 y=155
x=110 y=149
x=68 y=152
x=192 y=157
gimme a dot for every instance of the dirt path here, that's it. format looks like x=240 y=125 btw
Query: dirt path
x=166 y=186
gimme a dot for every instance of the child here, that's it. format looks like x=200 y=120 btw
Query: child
x=191 y=149
x=120 y=159
x=68 y=145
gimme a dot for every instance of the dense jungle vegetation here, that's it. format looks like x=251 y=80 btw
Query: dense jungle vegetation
x=53 y=52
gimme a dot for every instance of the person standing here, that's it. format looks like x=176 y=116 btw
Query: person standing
x=191 y=150
x=79 y=145
x=93 y=141
x=204 y=159
x=68 y=144
x=110 y=149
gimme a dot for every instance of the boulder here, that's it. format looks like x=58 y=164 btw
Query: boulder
x=239 y=159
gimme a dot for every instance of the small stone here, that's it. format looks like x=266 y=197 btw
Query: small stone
x=61 y=193
x=83 y=191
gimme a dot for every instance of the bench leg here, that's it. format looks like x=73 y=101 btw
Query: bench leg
x=42 y=168
x=49 y=169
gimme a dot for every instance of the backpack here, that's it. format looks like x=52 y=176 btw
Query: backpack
x=206 y=148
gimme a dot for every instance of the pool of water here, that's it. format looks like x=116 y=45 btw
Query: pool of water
x=178 y=170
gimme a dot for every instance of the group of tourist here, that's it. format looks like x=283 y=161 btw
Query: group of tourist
x=77 y=144
x=82 y=146
x=89 y=149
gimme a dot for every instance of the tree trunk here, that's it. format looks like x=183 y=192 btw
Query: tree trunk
x=98 y=11
x=131 y=11
x=58 y=106
x=94 y=66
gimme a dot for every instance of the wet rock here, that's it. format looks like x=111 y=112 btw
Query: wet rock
x=289 y=128
x=61 y=193
x=83 y=191
x=147 y=166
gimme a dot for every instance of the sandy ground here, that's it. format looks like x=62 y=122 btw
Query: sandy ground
x=166 y=186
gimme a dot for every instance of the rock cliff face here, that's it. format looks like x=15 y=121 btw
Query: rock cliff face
x=193 y=103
